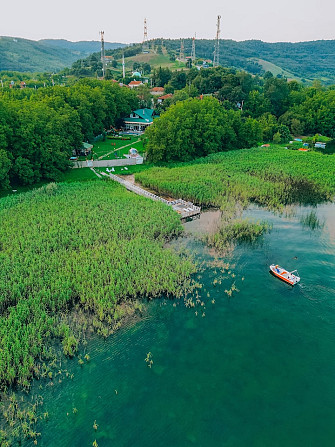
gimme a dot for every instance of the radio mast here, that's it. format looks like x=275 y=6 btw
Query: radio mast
x=145 y=45
x=123 y=67
x=182 y=54
x=193 y=49
x=216 y=60
x=103 y=59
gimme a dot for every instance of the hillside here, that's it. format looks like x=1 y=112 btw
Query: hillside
x=302 y=60
x=85 y=48
x=24 y=55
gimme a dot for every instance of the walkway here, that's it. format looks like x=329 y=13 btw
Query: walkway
x=108 y=163
x=183 y=208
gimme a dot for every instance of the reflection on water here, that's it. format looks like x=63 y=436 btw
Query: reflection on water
x=254 y=368
x=208 y=223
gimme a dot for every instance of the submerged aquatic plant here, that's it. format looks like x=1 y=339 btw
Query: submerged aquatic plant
x=311 y=221
x=149 y=360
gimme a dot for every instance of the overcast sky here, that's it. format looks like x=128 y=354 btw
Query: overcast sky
x=122 y=21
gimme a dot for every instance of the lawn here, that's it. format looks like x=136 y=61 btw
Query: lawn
x=78 y=175
x=112 y=149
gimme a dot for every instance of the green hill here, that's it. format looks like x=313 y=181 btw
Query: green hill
x=304 y=61
x=85 y=48
x=24 y=55
x=301 y=60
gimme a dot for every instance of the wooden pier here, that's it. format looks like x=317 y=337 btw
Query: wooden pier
x=184 y=209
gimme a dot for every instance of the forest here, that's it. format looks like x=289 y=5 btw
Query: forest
x=40 y=129
x=237 y=110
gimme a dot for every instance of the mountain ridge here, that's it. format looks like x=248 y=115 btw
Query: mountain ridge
x=46 y=55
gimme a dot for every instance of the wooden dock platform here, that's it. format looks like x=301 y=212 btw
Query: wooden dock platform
x=184 y=209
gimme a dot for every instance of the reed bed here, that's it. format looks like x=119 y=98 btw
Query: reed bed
x=272 y=177
x=92 y=245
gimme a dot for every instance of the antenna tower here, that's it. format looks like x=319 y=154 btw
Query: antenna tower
x=193 y=49
x=103 y=59
x=145 y=45
x=216 y=61
x=123 y=67
x=182 y=55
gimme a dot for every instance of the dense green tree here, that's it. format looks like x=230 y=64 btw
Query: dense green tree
x=277 y=92
x=269 y=126
x=161 y=76
x=5 y=165
x=40 y=129
x=195 y=128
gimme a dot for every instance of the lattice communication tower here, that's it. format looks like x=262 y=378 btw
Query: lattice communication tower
x=216 y=60
x=145 y=45
x=103 y=59
x=181 y=53
x=193 y=49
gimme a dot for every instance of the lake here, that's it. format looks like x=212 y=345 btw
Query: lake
x=256 y=368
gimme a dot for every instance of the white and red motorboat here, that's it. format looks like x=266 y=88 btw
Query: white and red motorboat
x=283 y=274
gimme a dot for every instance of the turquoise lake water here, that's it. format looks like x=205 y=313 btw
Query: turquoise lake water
x=256 y=369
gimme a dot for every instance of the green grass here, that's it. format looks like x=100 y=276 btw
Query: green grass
x=78 y=175
x=155 y=60
x=106 y=149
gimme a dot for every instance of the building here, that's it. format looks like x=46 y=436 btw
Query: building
x=164 y=97
x=134 y=84
x=157 y=91
x=139 y=120
x=85 y=150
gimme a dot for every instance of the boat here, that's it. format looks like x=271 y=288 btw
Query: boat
x=284 y=275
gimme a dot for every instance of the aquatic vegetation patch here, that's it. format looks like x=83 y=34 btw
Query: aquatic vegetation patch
x=89 y=245
x=237 y=231
x=311 y=221
x=272 y=177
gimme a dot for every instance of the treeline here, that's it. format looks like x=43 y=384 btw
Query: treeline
x=281 y=108
x=40 y=129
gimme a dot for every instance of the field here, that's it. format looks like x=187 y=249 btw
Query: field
x=276 y=70
x=272 y=177
x=155 y=60
x=88 y=246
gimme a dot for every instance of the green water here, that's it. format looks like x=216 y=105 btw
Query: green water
x=258 y=369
